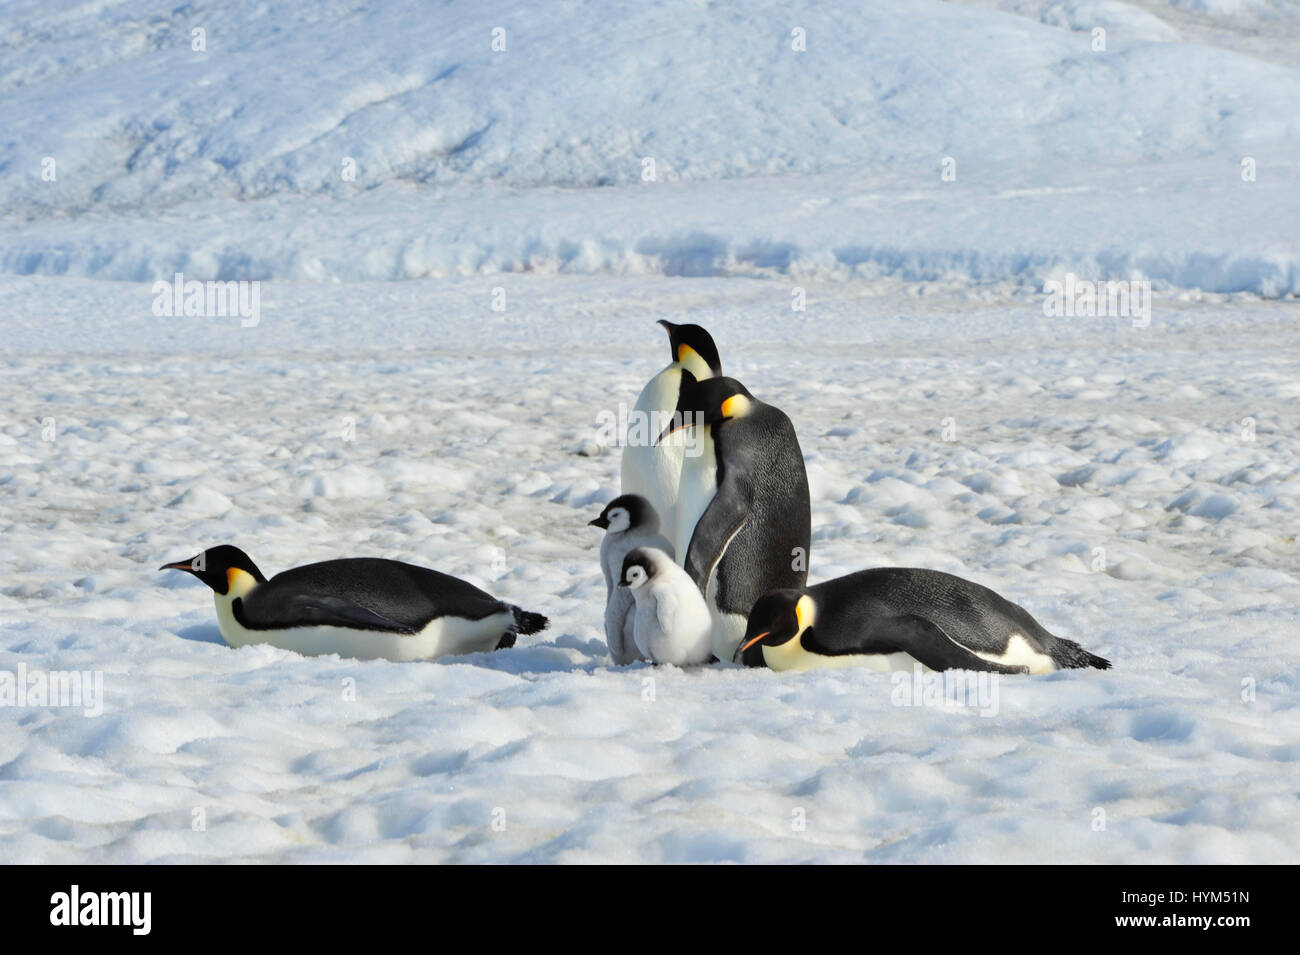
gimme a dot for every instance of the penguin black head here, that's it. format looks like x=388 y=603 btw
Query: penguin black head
x=215 y=565
x=777 y=618
x=710 y=401
x=692 y=345
x=639 y=567
x=627 y=512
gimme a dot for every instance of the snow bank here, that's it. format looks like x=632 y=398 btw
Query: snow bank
x=347 y=143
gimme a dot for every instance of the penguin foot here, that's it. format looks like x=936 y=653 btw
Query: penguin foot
x=526 y=622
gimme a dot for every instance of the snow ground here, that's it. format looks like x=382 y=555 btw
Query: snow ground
x=474 y=452
x=1135 y=488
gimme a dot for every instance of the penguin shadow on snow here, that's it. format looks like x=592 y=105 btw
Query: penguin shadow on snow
x=519 y=660
x=535 y=659
x=202 y=633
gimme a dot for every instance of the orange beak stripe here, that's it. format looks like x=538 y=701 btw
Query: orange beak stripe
x=755 y=640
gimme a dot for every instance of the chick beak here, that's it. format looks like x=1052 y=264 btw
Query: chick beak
x=602 y=522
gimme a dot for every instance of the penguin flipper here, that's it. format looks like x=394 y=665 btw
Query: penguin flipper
x=753 y=657
x=929 y=643
x=316 y=611
x=719 y=523
x=666 y=611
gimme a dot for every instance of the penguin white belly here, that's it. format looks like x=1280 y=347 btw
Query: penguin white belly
x=1019 y=653
x=654 y=471
x=696 y=489
x=687 y=644
x=791 y=655
x=728 y=629
x=444 y=636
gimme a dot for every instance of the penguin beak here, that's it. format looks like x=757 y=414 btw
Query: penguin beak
x=755 y=640
x=185 y=565
x=678 y=425
x=602 y=522
x=666 y=325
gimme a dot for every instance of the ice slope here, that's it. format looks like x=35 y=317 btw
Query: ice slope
x=229 y=162
x=1268 y=29
x=474 y=450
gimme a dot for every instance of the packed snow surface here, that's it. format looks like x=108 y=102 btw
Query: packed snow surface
x=1136 y=488
x=917 y=172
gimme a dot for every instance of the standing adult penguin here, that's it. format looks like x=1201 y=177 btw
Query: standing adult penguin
x=653 y=470
x=755 y=527
x=891 y=618
x=629 y=522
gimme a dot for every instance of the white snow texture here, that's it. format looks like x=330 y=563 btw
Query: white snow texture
x=438 y=334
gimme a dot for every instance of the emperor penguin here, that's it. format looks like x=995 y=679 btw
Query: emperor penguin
x=360 y=607
x=673 y=624
x=654 y=470
x=892 y=618
x=629 y=521
x=755 y=526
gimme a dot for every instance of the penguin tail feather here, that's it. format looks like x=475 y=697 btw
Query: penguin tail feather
x=1068 y=655
x=526 y=622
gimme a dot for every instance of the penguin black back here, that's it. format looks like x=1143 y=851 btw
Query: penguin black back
x=408 y=595
x=778 y=501
x=969 y=612
x=971 y=615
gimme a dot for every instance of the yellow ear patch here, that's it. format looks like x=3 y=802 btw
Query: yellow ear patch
x=239 y=581
x=804 y=612
x=686 y=352
x=731 y=406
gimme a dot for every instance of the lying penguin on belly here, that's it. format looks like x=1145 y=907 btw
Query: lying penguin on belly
x=892 y=618
x=361 y=607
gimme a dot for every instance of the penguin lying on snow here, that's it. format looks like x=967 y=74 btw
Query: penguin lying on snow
x=891 y=617
x=673 y=624
x=629 y=521
x=359 y=607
